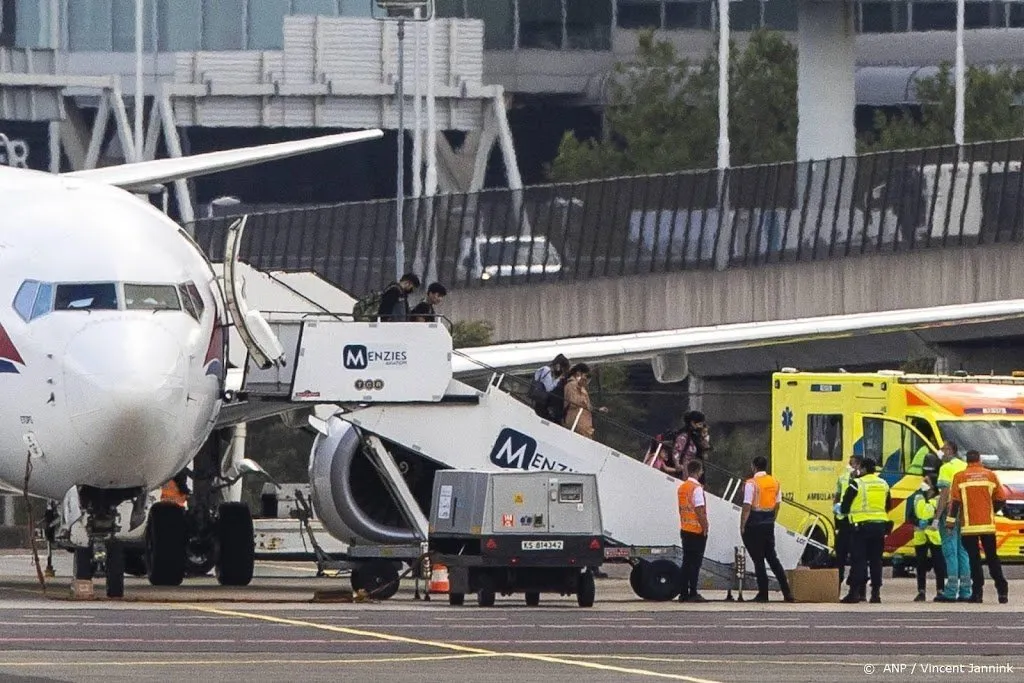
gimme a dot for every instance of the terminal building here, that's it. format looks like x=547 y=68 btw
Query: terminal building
x=508 y=75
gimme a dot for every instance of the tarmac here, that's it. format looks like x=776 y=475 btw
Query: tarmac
x=273 y=630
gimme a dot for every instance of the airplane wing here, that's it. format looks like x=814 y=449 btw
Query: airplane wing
x=141 y=175
x=647 y=345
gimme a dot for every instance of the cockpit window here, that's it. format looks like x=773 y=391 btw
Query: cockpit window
x=44 y=300
x=25 y=299
x=186 y=302
x=197 y=299
x=151 y=297
x=93 y=296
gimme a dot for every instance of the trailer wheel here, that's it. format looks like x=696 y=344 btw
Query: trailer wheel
x=532 y=599
x=636 y=579
x=456 y=599
x=660 y=580
x=586 y=589
x=379 y=578
x=485 y=598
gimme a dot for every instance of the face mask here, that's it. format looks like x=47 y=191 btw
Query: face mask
x=925 y=486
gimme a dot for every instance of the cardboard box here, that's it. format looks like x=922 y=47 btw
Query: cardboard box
x=814 y=585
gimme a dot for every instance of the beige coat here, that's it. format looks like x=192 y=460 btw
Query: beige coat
x=577 y=402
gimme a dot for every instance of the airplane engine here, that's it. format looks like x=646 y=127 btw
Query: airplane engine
x=349 y=495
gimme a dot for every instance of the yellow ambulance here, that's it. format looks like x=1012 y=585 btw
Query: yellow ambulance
x=820 y=419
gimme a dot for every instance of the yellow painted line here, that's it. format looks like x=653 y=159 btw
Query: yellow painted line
x=448 y=646
x=229 y=662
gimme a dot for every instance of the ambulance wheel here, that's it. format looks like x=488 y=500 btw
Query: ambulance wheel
x=532 y=599
x=378 y=578
x=236 y=558
x=660 y=581
x=456 y=599
x=586 y=590
x=485 y=598
x=165 y=544
x=636 y=579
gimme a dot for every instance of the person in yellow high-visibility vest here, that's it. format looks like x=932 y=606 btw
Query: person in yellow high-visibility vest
x=867 y=503
x=958 y=563
x=921 y=507
x=843 y=531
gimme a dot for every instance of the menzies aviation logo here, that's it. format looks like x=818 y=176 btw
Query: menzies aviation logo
x=359 y=357
x=515 y=450
x=8 y=353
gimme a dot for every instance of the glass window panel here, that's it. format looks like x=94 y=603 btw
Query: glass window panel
x=266 y=24
x=688 y=14
x=25 y=299
x=90 y=25
x=780 y=15
x=498 y=17
x=124 y=25
x=80 y=297
x=356 y=8
x=978 y=15
x=934 y=16
x=450 y=9
x=825 y=437
x=178 y=25
x=588 y=24
x=321 y=8
x=31 y=23
x=540 y=24
x=7 y=23
x=222 y=25
x=151 y=298
x=639 y=13
x=883 y=17
x=744 y=15
x=44 y=300
x=1016 y=15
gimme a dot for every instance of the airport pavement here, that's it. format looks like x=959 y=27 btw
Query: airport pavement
x=272 y=630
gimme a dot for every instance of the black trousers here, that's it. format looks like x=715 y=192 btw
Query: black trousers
x=866 y=547
x=937 y=564
x=843 y=533
x=693 y=558
x=995 y=567
x=759 y=540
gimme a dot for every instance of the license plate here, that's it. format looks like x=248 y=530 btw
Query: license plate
x=543 y=545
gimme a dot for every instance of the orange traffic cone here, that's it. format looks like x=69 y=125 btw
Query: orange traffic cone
x=439 y=580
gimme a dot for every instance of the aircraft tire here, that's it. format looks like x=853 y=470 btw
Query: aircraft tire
x=165 y=544
x=379 y=578
x=115 y=569
x=236 y=559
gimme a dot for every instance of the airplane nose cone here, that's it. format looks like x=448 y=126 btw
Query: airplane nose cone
x=125 y=388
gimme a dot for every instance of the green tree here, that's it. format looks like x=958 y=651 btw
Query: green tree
x=662 y=114
x=470 y=333
x=991 y=111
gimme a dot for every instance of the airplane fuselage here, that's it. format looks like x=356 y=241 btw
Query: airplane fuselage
x=111 y=338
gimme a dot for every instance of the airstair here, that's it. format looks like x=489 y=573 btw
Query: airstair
x=395 y=385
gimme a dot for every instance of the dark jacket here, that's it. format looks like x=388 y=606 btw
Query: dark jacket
x=423 y=312
x=394 y=304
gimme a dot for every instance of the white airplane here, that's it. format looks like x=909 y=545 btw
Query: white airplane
x=113 y=347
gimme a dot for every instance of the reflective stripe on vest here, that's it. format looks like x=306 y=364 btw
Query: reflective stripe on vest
x=979 y=494
x=841 y=484
x=762 y=505
x=869 y=503
x=688 y=520
x=924 y=510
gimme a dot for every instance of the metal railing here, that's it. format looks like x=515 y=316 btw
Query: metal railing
x=748 y=216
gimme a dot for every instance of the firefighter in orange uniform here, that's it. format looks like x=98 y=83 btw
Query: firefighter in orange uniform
x=975 y=496
x=693 y=530
x=762 y=496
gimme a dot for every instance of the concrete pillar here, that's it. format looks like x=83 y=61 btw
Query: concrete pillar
x=825 y=80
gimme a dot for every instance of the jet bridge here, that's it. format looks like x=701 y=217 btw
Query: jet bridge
x=494 y=432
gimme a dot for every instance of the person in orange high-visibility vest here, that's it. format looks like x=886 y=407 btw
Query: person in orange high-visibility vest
x=762 y=496
x=175 y=491
x=693 y=530
x=975 y=496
